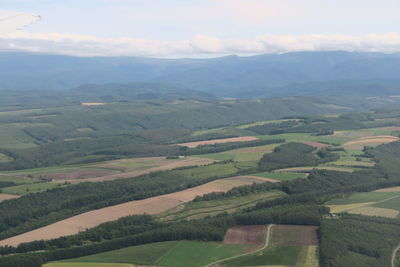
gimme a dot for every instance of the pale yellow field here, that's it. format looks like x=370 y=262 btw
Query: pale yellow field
x=370 y=141
x=373 y=211
x=218 y=141
x=347 y=207
x=151 y=205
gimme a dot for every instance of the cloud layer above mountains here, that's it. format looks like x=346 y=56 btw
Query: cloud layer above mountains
x=200 y=45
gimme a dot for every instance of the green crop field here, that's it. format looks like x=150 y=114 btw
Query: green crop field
x=4 y=158
x=85 y=264
x=196 y=254
x=283 y=176
x=144 y=254
x=207 y=171
x=29 y=188
x=195 y=210
x=283 y=255
x=173 y=253
x=393 y=204
x=363 y=197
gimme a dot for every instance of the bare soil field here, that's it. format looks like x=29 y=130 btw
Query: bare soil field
x=390 y=189
x=151 y=205
x=316 y=145
x=7 y=196
x=218 y=141
x=373 y=211
x=136 y=171
x=294 y=235
x=249 y=234
x=370 y=141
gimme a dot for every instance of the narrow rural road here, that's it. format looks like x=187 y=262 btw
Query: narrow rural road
x=267 y=238
x=394 y=256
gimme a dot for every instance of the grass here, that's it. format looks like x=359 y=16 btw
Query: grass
x=282 y=176
x=195 y=210
x=85 y=264
x=363 y=198
x=311 y=257
x=283 y=255
x=207 y=171
x=218 y=156
x=4 y=158
x=143 y=254
x=172 y=253
x=29 y=188
x=393 y=204
x=196 y=254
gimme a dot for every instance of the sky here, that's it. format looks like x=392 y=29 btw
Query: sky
x=198 y=28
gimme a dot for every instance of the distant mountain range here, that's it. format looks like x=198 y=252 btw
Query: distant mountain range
x=302 y=73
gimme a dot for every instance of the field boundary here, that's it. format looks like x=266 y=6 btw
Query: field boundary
x=267 y=238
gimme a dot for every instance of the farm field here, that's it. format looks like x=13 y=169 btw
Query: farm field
x=289 y=246
x=385 y=202
x=281 y=176
x=7 y=196
x=174 y=254
x=41 y=179
x=242 y=154
x=219 y=141
x=151 y=205
x=29 y=188
x=195 y=210
x=86 y=264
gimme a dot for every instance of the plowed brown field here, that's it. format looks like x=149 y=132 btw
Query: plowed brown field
x=249 y=234
x=294 y=235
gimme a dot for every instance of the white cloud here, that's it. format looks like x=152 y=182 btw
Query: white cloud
x=12 y=20
x=200 y=45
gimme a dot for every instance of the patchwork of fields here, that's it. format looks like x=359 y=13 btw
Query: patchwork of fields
x=384 y=202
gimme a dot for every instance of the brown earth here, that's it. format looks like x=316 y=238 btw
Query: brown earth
x=294 y=235
x=167 y=165
x=151 y=205
x=7 y=196
x=316 y=145
x=218 y=141
x=249 y=234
